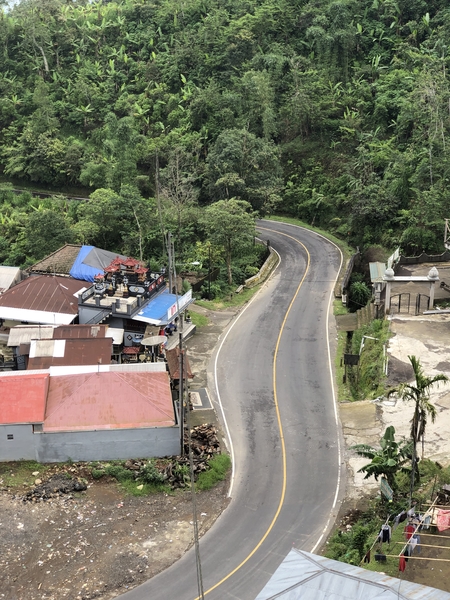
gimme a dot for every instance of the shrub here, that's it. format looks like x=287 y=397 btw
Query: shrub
x=150 y=474
x=219 y=466
x=119 y=472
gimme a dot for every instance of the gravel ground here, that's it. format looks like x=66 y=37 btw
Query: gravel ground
x=96 y=543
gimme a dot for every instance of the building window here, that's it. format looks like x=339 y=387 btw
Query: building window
x=9 y=436
x=37 y=428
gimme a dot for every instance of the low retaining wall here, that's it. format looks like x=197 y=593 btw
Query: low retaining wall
x=264 y=271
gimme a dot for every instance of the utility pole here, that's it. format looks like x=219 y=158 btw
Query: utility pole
x=169 y=253
x=209 y=272
x=181 y=387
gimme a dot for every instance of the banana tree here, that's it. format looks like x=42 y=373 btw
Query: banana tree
x=386 y=461
x=419 y=393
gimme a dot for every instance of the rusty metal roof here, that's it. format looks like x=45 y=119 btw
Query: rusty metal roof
x=79 y=331
x=23 y=334
x=112 y=400
x=66 y=352
x=173 y=363
x=42 y=297
x=59 y=262
x=22 y=398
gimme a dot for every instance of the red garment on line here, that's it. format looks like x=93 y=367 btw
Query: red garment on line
x=409 y=530
x=402 y=563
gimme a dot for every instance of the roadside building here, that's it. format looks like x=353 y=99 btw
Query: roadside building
x=85 y=413
x=42 y=299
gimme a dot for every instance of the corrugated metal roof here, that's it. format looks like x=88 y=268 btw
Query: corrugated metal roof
x=44 y=294
x=47 y=348
x=80 y=331
x=102 y=368
x=59 y=262
x=173 y=363
x=164 y=308
x=8 y=275
x=111 y=400
x=22 y=397
x=90 y=351
x=307 y=576
x=23 y=334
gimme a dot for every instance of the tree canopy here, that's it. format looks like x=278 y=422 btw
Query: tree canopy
x=333 y=111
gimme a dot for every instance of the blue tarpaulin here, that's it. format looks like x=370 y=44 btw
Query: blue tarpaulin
x=157 y=310
x=91 y=261
x=80 y=270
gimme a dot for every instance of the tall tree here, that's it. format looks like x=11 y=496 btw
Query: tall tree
x=244 y=166
x=177 y=184
x=418 y=392
x=230 y=224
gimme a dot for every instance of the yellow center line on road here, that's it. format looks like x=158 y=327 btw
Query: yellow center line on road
x=280 y=426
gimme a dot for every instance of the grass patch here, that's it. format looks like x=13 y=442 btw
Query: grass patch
x=343 y=391
x=197 y=319
x=339 y=308
x=16 y=474
x=230 y=301
x=219 y=467
x=369 y=379
x=137 y=488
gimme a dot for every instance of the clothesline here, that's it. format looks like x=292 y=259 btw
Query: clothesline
x=412 y=534
x=418 y=557
x=376 y=540
x=426 y=545
x=434 y=535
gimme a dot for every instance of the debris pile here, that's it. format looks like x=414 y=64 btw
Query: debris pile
x=56 y=486
x=204 y=440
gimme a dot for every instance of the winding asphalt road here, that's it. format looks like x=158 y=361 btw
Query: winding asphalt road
x=274 y=391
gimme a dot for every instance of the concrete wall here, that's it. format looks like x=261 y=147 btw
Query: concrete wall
x=21 y=447
x=86 y=314
x=111 y=444
x=264 y=271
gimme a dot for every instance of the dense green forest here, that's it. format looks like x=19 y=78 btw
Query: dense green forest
x=335 y=112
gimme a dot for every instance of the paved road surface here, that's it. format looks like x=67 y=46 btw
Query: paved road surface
x=280 y=497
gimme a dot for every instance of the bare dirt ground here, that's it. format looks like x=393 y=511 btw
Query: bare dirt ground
x=96 y=543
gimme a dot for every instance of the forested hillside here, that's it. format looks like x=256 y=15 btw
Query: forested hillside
x=337 y=112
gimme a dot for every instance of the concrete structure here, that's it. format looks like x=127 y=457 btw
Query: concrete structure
x=98 y=412
x=389 y=278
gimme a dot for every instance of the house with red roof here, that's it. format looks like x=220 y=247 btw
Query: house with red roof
x=85 y=413
x=22 y=410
